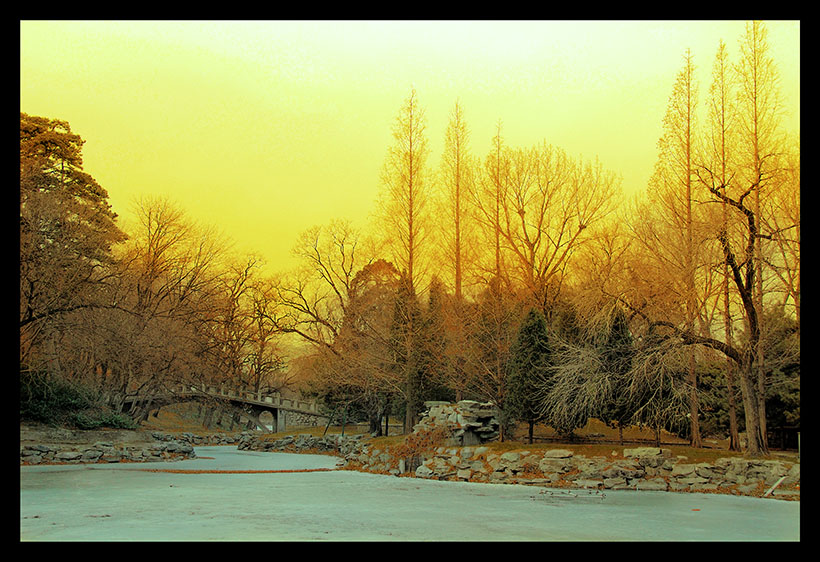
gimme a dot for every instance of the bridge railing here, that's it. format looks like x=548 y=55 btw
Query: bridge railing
x=274 y=399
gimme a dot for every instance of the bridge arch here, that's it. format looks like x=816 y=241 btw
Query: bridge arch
x=265 y=411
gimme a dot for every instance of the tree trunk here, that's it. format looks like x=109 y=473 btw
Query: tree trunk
x=734 y=439
x=694 y=440
x=386 y=414
x=375 y=424
x=761 y=395
x=755 y=442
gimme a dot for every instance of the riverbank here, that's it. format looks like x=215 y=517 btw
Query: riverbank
x=623 y=468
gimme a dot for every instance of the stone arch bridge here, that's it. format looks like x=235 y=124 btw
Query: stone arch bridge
x=251 y=404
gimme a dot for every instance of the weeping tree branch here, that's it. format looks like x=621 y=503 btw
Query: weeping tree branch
x=685 y=337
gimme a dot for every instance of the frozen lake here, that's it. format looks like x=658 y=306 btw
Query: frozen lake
x=122 y=502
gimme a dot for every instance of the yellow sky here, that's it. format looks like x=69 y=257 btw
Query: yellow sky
x=265 y=128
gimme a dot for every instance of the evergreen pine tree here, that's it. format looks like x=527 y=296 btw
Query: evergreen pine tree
x=407 y=346
x=531 y=362
x=435 y=343
x=616 y=353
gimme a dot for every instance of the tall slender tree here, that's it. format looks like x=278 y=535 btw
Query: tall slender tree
x=405 y=210
x=406 y=195
x=487 y=198
x=490 y=327
x=456 y=177
x=458 y=248
x=759 y=116
x=674 y=184
x=717 y=150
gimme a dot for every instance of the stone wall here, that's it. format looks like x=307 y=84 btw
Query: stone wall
x=645 y=468
x=105 y=452
x=466 y=457
x=336 y=444
x=298 y=419
x=206 y=440
x=167 y=447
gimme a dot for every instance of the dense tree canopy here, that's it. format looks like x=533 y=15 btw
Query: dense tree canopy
x=521 y=277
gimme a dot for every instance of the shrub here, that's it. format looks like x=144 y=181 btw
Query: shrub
x=53 y=401
x=95 y=419
x=46 y=399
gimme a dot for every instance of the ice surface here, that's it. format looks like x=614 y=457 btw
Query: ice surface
x=118 y=502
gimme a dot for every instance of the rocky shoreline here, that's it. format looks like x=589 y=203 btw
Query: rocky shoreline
x=104 y=452
x=464 y=457
x=62 y=446
x=642 y=468
x=465 y=428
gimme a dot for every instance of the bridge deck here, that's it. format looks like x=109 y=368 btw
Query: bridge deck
x=274 y=400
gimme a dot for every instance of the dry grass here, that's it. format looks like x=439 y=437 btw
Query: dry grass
x=610 y=448
x=177 y=419
x=182 y=418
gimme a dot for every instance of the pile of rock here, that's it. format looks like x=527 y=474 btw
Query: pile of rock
x=646 y=468
x=469 y=422
x=105 y=452
x=369 y=458
x=211 y=439
x=338 y=444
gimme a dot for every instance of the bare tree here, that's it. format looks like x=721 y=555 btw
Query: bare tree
x=165 y=303
x=487 y=196
x=458 y=247
x=740 y=244
x=312 y=301
x=491 y=333
x=759 y=111
x=266 y=359
x=674 y=181
x=719 y=139
x=405 y=199
x=455 y=183
x=359 y=369
x=552 y=206
x=782 y=219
